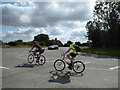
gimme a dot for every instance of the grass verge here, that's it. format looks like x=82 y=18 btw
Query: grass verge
x=18 y=46
x=102 y=51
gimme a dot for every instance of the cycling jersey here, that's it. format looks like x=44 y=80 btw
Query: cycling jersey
x=74 y=50
x=37 y=46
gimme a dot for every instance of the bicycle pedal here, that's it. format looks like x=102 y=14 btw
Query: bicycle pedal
x=41 y=60
x=69 y=67
x=37 y=61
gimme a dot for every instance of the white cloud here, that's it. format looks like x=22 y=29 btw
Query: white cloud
x=26 y=34
x=74 y=35
x=78 y=32
x=0 y=36
x=53 y=18
x=43 y=14
x=56 y=31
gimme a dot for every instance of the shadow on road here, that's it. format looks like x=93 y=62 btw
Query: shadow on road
x=26 y=65
x=62 y=77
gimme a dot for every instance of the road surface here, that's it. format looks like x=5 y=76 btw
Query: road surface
x=100 y=72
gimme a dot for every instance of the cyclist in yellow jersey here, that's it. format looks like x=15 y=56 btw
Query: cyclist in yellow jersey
x=73 y=54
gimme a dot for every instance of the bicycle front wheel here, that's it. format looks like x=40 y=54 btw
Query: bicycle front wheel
x=78 y=67
x=59 y=65
x=30 y=58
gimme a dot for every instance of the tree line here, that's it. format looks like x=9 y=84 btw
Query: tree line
x=103 y=30
x=42 y=39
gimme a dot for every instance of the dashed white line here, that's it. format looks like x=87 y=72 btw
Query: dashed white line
x=98 y=69
x=87 y=62
x=113 y=68
x=49 y=61
x=4 y=67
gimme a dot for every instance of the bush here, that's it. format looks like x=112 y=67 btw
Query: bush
x=12 y=43
x=50 y=42
x=42 y=43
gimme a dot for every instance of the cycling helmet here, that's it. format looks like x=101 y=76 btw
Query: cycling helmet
x=69 y=42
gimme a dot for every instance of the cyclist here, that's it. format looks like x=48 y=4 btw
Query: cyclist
x=38 y=48
x=72 y=55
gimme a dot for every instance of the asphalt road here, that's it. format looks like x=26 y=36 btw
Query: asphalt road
x=100 y=72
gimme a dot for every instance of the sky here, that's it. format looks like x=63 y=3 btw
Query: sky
x=62 y=20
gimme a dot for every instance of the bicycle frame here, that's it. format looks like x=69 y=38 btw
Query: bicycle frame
x=39 y=58
x=36 y=52
x=63 y=58
x=77 y=66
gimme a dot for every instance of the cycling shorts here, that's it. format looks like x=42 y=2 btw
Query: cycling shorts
x=73 y=55
x=40 y=50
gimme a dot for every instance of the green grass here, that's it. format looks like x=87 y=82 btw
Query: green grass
x=102 y=51
x=18 y=46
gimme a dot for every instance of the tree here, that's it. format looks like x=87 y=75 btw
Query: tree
x=104 y=29
x=50 y=42
x=19 y=41
x=12 y=43
x=41 y=37
x=78 y=43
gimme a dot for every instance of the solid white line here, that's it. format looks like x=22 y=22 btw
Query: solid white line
x=4 y=67
x=112 y=68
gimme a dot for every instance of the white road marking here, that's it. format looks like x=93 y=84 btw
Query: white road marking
x=112 y=68
x=98 y=69
x=87 y=62
x=49 y=61
x=4 y=67
x=106 y=79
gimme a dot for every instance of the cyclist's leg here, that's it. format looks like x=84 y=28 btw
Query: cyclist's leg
x=70 y=57
x=35 y=51
x=37 y=55
x=42 y=50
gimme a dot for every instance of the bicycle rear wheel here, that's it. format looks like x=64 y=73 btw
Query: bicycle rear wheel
x=30 y=58
x=78 y=67
x=59 y=65
x=42 y=60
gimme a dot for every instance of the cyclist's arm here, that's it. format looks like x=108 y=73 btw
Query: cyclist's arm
x=67 y=50
x=32 y=48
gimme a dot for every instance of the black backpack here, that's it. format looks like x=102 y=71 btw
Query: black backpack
x=77 y=48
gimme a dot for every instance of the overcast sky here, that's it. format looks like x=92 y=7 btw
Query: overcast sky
x=62 y=20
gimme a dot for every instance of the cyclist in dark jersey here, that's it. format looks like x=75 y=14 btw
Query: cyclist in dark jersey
x=38 y=48
x=72 y=55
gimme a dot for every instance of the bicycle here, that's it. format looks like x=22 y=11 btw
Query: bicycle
x=38 y=58
x=60 y=64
